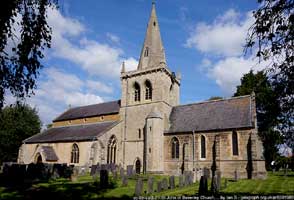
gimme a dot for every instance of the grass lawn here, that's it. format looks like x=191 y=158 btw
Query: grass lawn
x=86 y=188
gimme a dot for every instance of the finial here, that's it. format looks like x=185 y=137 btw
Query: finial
x=179 y=76
x=123 y=68
x=153 y=2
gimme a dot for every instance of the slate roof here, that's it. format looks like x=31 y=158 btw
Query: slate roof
x=106 y=108
x=212 y=115
x=83 y=132
x=49 y=153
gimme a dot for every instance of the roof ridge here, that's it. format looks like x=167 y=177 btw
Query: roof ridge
x=87 y=124
x=95 y=104
x=215 y=100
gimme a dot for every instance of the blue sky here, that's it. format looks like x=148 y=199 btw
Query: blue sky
x=202 y=39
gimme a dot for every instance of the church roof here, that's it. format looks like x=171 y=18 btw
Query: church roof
x=106 y=108
x=212 y=115
x=72 y=133
x=152 y=53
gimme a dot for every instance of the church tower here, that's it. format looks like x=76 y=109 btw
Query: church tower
x=148 y=95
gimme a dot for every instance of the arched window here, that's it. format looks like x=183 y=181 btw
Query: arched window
x=75 y=154
x=148 y=92
x=203 y=147
x=111 y=150
x=175 y=147
x=137 y=92
x=146 y=52
x=235 y=143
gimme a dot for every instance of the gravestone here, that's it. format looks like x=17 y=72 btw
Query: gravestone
x=171 y=182
x=98 y=168
x=129 y=170
x=236 y=175
x=214 y=186
x=124 y=181
x=206 y=172
x=150 y=185
x=181 y=181
x=121 y=172
x=93 y=170
x=103 y=179
x=218 y=179
x=164 y=184
x=74 y=176
x=103 y=167
x=114 y=174
x=159 y=186
x=203 y=186
x=139 y=187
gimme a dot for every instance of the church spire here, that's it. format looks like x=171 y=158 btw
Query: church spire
x=152 y=53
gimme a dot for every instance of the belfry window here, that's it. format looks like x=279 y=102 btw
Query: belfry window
x=148 y=92
x=175 y=147
x=111 y=150
x=137 y=92
x=235 y=143
x=203 y=147
x=75 y=154
x=146 y=52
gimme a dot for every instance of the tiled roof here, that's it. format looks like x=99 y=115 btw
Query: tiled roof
x=212 y=115
x=49 y=153
x=72 y=133
x=111 y=107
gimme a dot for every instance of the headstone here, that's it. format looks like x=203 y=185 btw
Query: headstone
x=236 y=175
x=159 y=186
x=206 y=172
x=171 y=182
x=103 y=179
x=218 y=179
x=98 y=168
x=139 y=187
x=203 y=186
x=93 y=170
x=124 y=181
x=129 y=170
x=214 y=186
x=150 y=185
x=114 y=174
x=121 y=172
x=74 y=176
x=164 y=184
x=181 y=181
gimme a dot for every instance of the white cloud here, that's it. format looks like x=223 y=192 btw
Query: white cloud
x=96 y=58
x=113 y=38
x=131 y=64
x=224 y=37
x=98 y=86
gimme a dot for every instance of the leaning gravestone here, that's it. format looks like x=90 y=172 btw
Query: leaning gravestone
x=171 y=182
x=181 y=181
x=103 y=179
x=93 y=170
x=203 y=186
x=150 y=185
x=129 y=170
x=139 y=187
x=164 y=184
x=124 y=181
x=159 y=186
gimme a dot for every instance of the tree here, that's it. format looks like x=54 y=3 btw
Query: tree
x=267 y=110
x=17 y=122
x=20 y=58
x=273 y=35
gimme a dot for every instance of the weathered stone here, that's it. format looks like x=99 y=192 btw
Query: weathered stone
x=139 y=187
x=181 y=181
x=171 y=182
x=206 y=172
x=124 y=181
x=150 y=185
x=159 y=186
x=114 y=174
x=236 y=175
x=164 y=184
x=93 y=170
x=103 y=179
x=121 y=172
x=129 y=170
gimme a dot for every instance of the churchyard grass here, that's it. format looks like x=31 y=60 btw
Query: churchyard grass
x=84 y=188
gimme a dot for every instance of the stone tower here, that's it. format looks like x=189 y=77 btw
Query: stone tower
x=148 y=95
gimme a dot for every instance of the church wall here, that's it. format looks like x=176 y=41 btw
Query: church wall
x=226 y=162
x=87 y=120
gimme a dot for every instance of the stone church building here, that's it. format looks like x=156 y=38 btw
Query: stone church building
x=149 y=129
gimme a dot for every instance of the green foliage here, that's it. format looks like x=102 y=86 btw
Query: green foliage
x=273 y=35
x=20 y=60
x=215 y=98
x=17 y=122
x=267 y=109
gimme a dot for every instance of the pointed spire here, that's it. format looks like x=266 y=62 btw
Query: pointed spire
x=152 y=53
